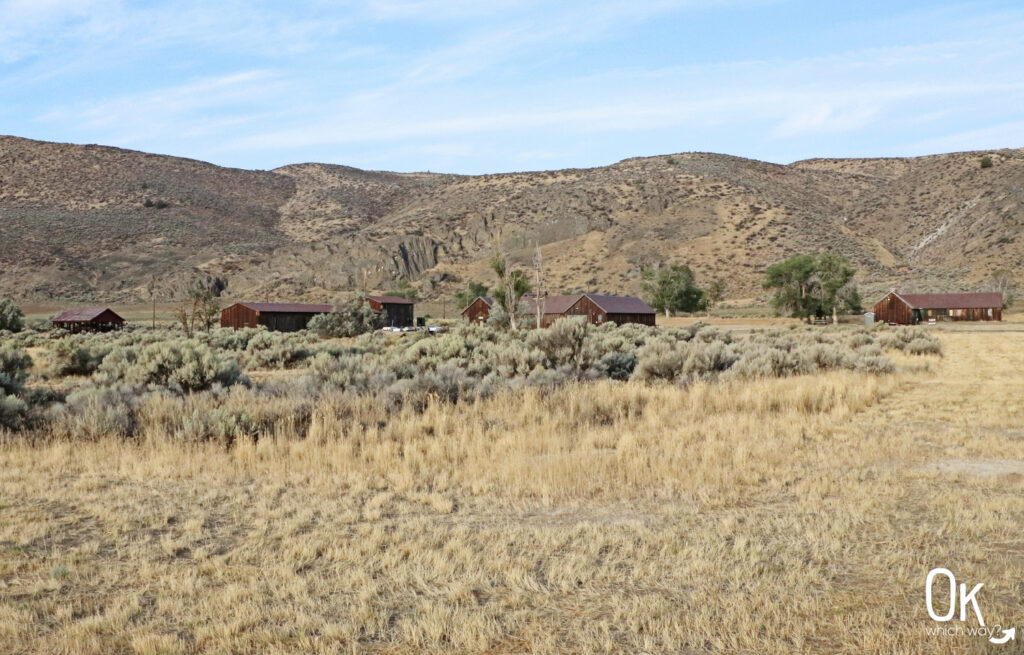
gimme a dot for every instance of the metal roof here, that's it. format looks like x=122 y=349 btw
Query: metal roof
x=287 y=307
x=952 y=300
x=390 y=300
x=82 y=314
x=552 y=304
x=621 y=304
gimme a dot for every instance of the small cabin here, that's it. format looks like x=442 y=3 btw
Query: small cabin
x=88 y=319
x=479 y=310
x=914 y=308
x=275 y=316
x=398 y=311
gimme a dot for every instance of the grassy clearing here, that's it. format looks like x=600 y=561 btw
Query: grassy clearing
x=762 y=516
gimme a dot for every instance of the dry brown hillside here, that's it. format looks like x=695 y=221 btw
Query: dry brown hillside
x=98 y=223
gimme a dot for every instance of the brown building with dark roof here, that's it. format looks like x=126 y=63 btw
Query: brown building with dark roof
x=612 y=309
x=913 y=308
x=552 y=308
x=398 y=310
x=597 y=309
x=88 y=319
x=479 y=310
x=275 y=316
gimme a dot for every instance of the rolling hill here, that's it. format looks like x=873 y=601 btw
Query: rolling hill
x=93 y=223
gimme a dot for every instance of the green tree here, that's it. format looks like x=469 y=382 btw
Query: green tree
x=471 y=293
x=11 y=317
x=350 y=318
x=200 y=308
x=672 y=289
x=403 y=290
x=986 y=162
x=714 y=294
x=813 y=285
x=512 y=286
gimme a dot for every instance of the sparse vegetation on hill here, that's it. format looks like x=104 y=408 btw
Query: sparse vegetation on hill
x=76 y=227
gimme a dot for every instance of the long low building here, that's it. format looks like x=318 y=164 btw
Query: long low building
x=597 y=309
x=913 y=308
x=275 y=316
x=88 y=319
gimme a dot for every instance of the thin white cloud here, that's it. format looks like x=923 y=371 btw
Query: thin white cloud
x=826 y=118
x=236 y=81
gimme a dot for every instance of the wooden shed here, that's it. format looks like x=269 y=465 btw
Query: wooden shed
x=612 y=309
x=479 y=310
x=913 y=308
x=399 y=310
x=88 y=319
x=275 y=316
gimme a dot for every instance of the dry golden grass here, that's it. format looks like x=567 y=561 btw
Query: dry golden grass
x=797 y=515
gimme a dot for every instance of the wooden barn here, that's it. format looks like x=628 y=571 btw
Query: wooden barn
x=399 y=310
x=914 y=308
x=612 y=309
x=552 y=308
x=88 y=319
x=479 y=310
x=275 y=316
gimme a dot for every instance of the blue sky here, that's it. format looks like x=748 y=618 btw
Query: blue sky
x=468 y=86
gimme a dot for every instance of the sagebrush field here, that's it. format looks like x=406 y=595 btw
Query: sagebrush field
x=576 y=490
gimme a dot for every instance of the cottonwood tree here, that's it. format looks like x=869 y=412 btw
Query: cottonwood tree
x=199 y=308
x=351 y=317
x=403 y=290
x=1002 y=281
x=473 y=291
x=672 y=289
x=512 y=286
x=11 y=317
x=714 y=294
x=813 y=285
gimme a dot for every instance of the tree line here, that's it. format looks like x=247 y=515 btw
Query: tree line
x=803 y=286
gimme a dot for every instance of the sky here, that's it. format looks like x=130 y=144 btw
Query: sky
x=489 y=86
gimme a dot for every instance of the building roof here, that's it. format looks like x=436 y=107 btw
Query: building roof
x=82 y=314
x=287 y=307
x=487 y=301
x=390 y=300
x=621 y=304
x=552 y=304
x=952 y=300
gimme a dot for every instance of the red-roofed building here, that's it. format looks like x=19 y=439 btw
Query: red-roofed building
x=275 y=316
x=88 y=319
x=913 y=308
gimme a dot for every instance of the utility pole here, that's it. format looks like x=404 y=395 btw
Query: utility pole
x=539 y=295
x=152 y=297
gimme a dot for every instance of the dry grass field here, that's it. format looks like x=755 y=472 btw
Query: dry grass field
x=793 y=515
